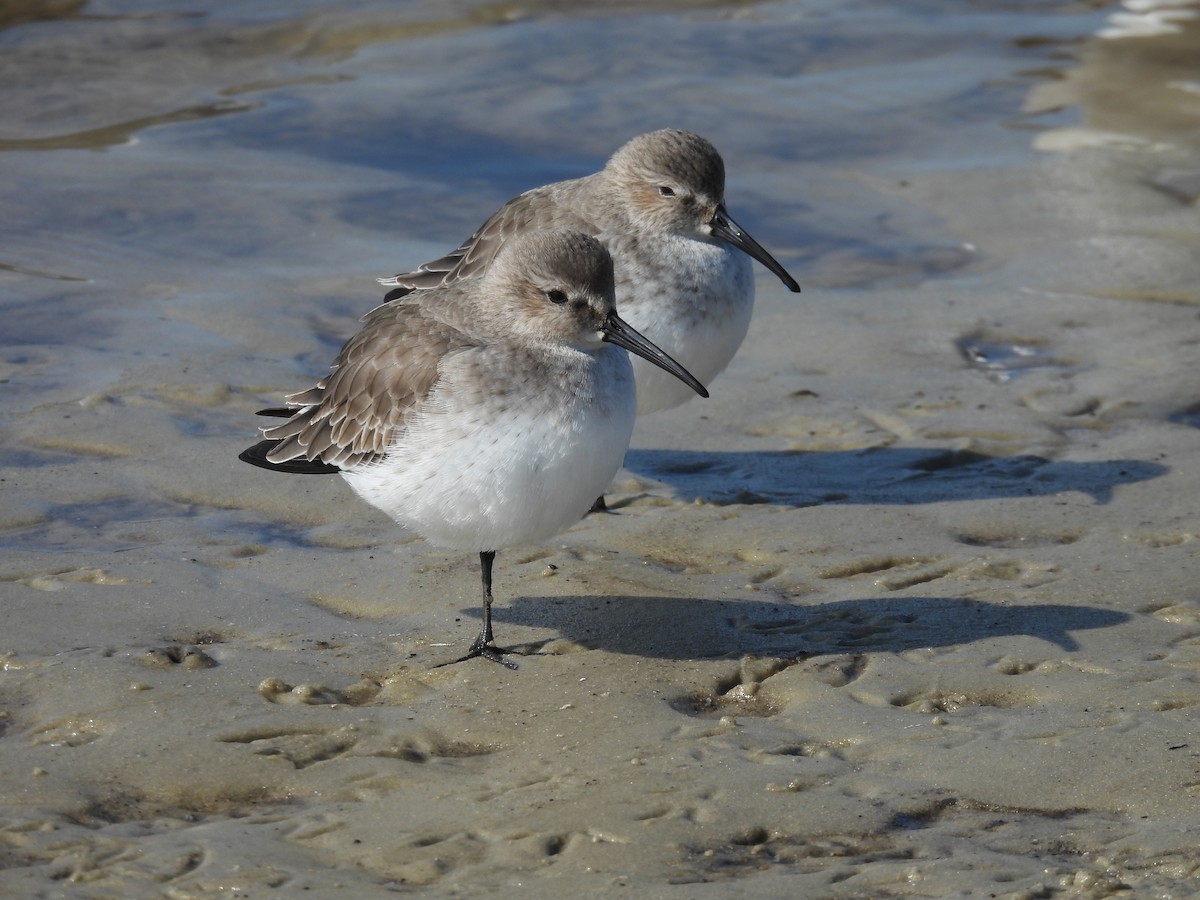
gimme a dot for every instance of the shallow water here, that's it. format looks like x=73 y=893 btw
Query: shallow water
x=907 y=609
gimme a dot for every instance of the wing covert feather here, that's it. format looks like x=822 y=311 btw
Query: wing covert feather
x=533 y=210
x=382 y=374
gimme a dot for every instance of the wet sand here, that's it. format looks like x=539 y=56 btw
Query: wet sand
x=908 y=608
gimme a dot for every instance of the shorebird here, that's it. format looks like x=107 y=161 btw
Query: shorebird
x=683 y=277
x=485 y=413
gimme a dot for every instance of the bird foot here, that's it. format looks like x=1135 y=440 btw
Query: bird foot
x=599 y=506
x=485 y=649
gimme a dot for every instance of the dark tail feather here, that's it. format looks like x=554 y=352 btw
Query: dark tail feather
x=396 y=294
x=279 y=412
x=257 y=456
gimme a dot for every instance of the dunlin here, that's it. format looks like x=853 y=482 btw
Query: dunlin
x=484 y=413
x=659 y=207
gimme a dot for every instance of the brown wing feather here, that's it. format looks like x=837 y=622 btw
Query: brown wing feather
x=382 y=373
x=536 y=209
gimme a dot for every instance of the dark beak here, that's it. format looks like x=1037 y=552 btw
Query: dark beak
x=617 y=331
x=728 y=230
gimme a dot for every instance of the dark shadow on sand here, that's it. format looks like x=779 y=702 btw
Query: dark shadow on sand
x=679 y=628
x=881 y=475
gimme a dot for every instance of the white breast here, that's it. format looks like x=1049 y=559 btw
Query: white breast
x=482 y=468
x=694 y=299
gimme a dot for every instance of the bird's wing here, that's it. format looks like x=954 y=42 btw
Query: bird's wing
x=539 y=208
x=381 y=375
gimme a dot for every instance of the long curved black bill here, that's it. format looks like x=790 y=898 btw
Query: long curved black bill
x=617 y=331
x=728 y=230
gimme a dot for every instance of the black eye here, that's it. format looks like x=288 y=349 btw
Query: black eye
x=665 y=191
x=556 y=296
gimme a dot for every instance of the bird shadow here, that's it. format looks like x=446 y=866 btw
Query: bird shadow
x=699 y=628
x=887 y=475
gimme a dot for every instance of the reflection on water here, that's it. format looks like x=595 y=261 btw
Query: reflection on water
x=123 y=132
x=309 y=146
x=21 y=12
x=1140 y=80
x=198 y=179
x=457 y=108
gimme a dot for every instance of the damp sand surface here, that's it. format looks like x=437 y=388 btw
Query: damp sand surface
x=908 y=608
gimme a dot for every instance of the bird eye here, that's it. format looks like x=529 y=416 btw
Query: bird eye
x=556 y=296
x=665 y=191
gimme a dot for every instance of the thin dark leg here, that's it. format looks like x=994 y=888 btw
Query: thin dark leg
x=599 y=506
x=483 y=645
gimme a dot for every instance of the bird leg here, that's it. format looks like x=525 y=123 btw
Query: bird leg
x=482 y=645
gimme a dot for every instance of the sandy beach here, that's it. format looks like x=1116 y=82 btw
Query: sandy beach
x=910 y=607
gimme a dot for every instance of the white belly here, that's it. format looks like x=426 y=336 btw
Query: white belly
x=483 y=472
